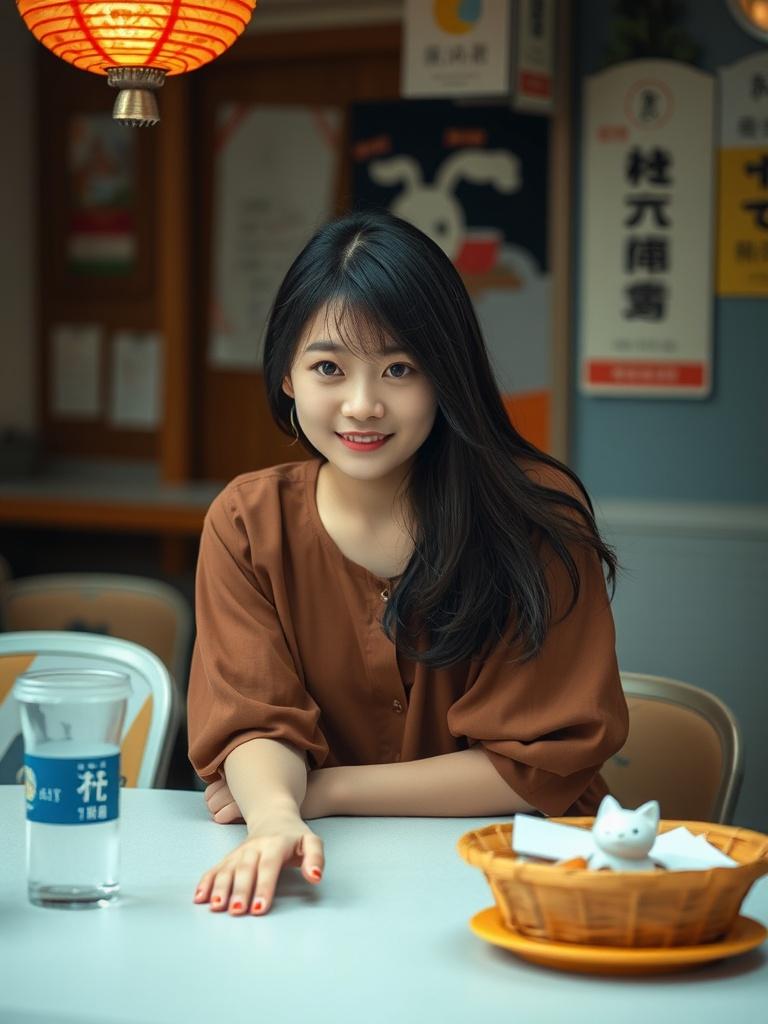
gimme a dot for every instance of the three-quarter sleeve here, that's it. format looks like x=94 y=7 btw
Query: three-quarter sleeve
x=244 y=681
x=548 y=724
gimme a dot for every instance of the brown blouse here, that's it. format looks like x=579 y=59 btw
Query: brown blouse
x=289 y=646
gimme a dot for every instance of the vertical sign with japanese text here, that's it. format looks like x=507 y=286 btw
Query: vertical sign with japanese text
x=742 y=249
x=646 y=288
x=534 y=61
x=456 y=48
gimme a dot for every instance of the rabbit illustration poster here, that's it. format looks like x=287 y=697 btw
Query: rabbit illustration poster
x=474 y=178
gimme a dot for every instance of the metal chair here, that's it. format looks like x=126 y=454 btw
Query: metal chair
x=684 y=749
x=153 y=713
x=148 y=612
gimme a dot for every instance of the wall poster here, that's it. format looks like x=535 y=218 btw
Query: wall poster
x=453 y=48
x=646 y=259
x=742 y=248
x=475 y=180
x=275 y=177
x=101 y=238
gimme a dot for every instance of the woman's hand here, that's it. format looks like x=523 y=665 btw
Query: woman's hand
x=246 y=878
x=224 y=810
x=221 y=804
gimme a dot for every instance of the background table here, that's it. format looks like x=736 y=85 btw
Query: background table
x=383 y=937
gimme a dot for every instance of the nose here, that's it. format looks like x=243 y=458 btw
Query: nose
x=361 y=402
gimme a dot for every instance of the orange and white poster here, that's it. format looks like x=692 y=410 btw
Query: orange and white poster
x=646 y=284
x=742 y=236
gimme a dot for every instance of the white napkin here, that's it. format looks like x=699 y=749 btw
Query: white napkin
x=676 y=850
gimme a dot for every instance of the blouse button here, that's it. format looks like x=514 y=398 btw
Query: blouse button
x=397 y=707
x=385 y=594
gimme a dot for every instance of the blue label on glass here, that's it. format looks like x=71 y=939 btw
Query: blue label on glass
x=72 y=790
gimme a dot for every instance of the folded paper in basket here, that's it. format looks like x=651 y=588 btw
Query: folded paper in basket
x=676 y=850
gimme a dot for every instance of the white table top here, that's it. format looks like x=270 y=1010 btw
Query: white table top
x=383 y=938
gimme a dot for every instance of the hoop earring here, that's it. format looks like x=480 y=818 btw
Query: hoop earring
x=294 y=427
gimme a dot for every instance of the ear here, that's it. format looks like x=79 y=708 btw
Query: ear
x=608 y=804
x=651 y=811
x=287 y=386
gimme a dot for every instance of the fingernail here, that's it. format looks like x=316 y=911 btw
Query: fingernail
x=257 y=905
x=316 y=873
x=198 y=894
x=216 y=899
x=236 y=906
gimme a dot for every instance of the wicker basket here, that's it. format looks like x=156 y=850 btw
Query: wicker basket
x=619 y=908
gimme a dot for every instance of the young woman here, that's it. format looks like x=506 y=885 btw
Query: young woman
x=415 y=621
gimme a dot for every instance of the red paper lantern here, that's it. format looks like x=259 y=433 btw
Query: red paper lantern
x=136 y=43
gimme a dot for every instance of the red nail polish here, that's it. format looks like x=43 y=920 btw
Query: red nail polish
x=216 y=899
x=316 y=873
x=257 y=905
x=236 y=906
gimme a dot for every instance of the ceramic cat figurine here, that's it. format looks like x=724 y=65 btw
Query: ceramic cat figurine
x=623 y=838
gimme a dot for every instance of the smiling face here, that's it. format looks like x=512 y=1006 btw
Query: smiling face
x=367 y=411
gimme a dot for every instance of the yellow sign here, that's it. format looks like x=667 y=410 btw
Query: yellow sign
x=742 y=245
x=742 y=250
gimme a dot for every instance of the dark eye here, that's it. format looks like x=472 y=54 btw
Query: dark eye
x=405 y=369
x=635 y=831
x=325 y=362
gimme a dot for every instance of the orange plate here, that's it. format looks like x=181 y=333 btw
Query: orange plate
x=571 y=956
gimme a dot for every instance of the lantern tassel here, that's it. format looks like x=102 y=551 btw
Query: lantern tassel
x=135 y=105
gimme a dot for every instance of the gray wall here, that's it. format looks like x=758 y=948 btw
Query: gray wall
x=682 y=486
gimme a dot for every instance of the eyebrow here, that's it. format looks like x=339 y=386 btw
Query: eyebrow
x=332 y=346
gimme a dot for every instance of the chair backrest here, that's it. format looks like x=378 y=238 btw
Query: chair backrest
x=684 y=749
x=153 y=712
x=148 y=612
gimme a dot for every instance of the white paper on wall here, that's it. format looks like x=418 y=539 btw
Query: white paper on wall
x=135 y=393
x=75 y=371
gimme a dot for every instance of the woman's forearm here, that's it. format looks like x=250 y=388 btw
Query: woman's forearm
x=460 y=784
x=268 y=780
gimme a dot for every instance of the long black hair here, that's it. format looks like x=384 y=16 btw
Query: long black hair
x=476 y=511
